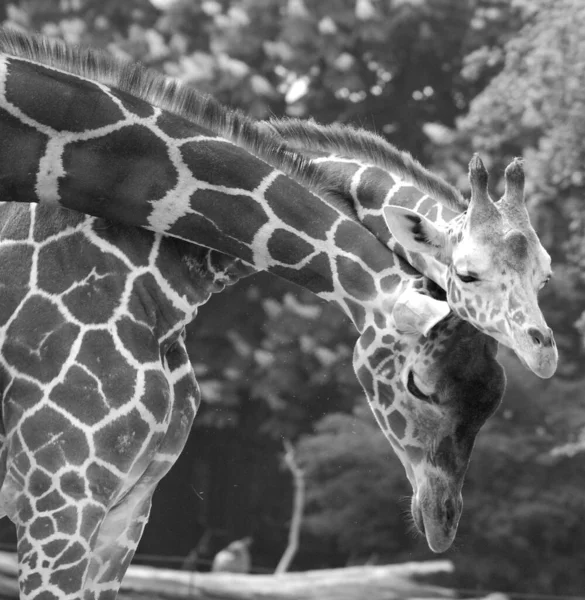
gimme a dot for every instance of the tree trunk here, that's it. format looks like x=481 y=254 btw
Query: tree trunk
x=297 y=512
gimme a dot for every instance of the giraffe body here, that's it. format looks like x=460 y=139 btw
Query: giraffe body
x=83 y=450
x=98 y=391
x=98 y=403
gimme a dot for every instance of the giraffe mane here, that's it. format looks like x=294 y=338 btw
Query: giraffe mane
x=172 y=95
x=350 y=142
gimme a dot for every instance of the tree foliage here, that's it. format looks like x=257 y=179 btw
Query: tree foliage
x=357 y=493
x=390 y=65
x=535 y=107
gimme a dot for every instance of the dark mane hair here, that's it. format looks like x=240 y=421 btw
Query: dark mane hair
x=349 y=142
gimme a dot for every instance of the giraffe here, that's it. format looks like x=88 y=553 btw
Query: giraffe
x=485 y=254
x=98 y=394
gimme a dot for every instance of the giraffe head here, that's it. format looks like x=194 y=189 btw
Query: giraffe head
x=495 y=264
x=488 y=257
x=432 y=384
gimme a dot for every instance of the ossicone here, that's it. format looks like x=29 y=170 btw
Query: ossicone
x=514 y=176
x=478 y=175
x=478 y=178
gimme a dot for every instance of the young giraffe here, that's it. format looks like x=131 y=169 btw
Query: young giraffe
x=485 y=254
x=98 y=393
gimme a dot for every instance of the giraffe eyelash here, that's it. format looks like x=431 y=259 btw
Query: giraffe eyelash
x=414 y=389
x=469 y=278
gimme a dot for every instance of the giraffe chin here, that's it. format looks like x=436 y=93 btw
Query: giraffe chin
x=437 y=518
x=535 y=347
x=543 y=364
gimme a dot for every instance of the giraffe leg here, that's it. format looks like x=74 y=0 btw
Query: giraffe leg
x=66 y=483
x=58 y=497
x=55 y=536
x=124 y=523
x=116 y=544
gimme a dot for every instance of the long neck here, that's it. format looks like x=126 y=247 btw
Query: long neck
x=369 y=173
x=369 y=188
x=71 y=142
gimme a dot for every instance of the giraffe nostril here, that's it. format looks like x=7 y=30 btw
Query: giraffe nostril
x=536 y=338
x=541 y=338
x=449 y=511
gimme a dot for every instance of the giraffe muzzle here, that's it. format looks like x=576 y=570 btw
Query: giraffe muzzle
x=436 y=513
x=539 y=351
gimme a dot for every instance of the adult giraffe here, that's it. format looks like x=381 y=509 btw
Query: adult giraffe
x=97 y=390
x=485 y=254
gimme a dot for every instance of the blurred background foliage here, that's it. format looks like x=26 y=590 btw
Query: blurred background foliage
x=442 y=79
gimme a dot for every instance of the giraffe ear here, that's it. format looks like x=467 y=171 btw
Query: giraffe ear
x=417 y=313
x=415 y=232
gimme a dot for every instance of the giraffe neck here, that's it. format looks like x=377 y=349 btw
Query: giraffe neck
x=369 y=188
x=110 y=154
x=369 y=174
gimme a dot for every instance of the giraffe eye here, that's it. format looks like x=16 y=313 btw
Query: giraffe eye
x=415 y=390
x=467 y=278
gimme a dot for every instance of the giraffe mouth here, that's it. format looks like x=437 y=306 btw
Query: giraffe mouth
x=436 y=516
x=544 y=364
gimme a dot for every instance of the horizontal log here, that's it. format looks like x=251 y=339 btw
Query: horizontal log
x=389 y=582
x=8 y=564
x=8 y=586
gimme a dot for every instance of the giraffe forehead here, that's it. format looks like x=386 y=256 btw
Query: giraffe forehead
x=472 y=256
x=455 y=348
x=507 y=241
x=499 y=255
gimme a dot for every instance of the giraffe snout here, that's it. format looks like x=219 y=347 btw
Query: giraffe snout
x=436 y=511
x=535 y=347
